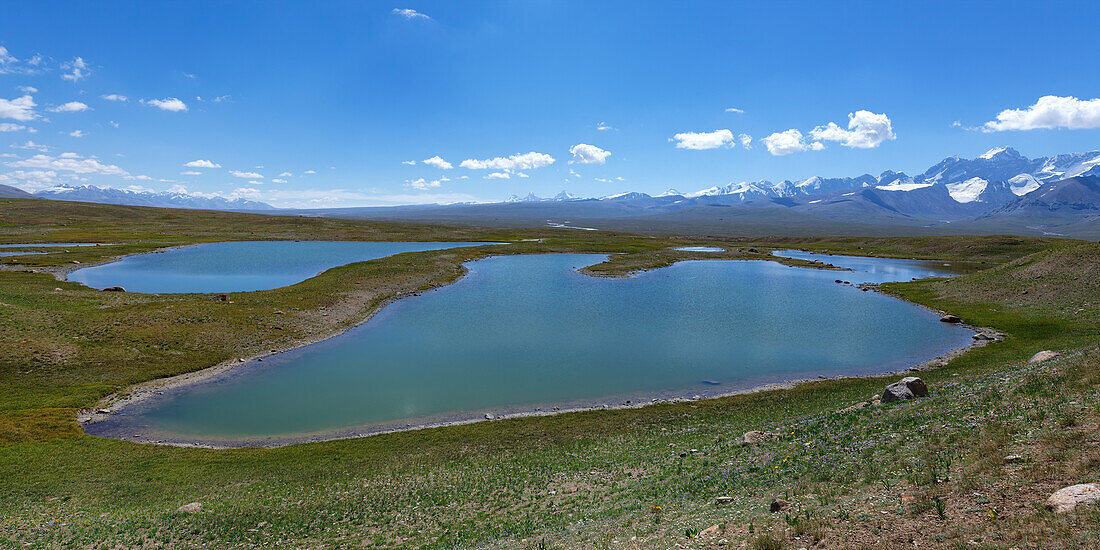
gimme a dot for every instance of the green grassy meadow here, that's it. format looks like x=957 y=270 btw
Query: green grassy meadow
x=929 y=472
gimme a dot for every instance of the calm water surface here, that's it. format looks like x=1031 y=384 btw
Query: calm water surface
x=35 y=245
x=240 y=266
x=526 y=332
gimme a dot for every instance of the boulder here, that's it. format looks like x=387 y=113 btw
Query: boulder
x=723 y=500
x=909 y=387
x=191 y=508
x=755 y=437
x=1067 y=498
x=779 y=505
x=1043 y=356
x=950 y=319
x=114 y=289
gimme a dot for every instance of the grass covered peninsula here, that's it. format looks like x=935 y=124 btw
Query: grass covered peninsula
x=968 y=467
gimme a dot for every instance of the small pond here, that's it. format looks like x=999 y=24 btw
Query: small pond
x=240 y=266
x=526 y=333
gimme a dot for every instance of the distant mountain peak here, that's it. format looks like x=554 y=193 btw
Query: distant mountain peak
x=162 y=199
x=995 y=152
x=565 y=196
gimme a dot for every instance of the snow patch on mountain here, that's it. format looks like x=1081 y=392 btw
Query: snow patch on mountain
x=967 y=191
x=1023 y=184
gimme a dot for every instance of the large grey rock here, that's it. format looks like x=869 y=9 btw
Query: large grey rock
x=190 y=508
x=1043 y=356
x=909 y=387
x=1067 y=498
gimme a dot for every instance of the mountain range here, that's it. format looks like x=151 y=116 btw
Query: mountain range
x=999 y=191
x=164 y=199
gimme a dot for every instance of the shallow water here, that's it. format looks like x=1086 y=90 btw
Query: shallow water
x=700 y=249
x=36 y=245
x=871 y=270
x=240 y=266
x=525 y=332
x=18 y=253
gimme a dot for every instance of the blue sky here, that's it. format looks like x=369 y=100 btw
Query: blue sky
x=352 y=91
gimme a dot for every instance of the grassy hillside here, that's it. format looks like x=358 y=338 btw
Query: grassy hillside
x=930 y=472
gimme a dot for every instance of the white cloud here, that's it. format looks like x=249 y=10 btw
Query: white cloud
x=277 y=180
x=190 y=173
x=603 y=127
x=32 y=180
x=422 y=184
x=409 y=162
x=310 y=172
x=10 y=127
x=409 y=13
x=202 y=164
x=7 y=61
x=746 y=140
x=114 y=97
x=790 y=141
x=498 y=176
x=142 y=178
x=523 y=161
x=603 y=180
x=588 y=154
x=32 y=145
x=438 y=162
x=286 y=175
x=20 y=108
x=167 y=104
x=27 y=89
x=71 y=107
x=77 y=68
x=70 y=162
x=865 y=130
x=77 y=133
x=112 y=123
x=245 y=175
x=735 y=110
x=704 y=140
x=9 y=64
x=575 y=174
x=1050 y=111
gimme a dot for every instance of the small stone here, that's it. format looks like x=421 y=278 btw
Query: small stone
x=723 y=500
x=489 y=416
x=779 y=505
x=74 y=261
x=1043 y=356
x=191 y=508
x=57 y=290
x=1066 y=499
x=950 y=319
x=114 y=289
x=755 y=437
x=1012 y=459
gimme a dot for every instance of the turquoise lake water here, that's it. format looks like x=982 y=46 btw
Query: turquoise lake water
x=240 y=266
x=520 y=333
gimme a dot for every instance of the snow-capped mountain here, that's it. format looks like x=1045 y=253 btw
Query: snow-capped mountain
x=166 y=199
x=953 y=190
x=994 y=178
